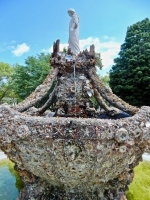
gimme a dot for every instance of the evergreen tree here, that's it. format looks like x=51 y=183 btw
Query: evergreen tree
x=130 y=75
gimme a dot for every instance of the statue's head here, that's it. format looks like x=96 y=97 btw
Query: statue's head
x=71 y=11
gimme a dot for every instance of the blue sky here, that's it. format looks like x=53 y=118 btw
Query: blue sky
x=29 y=27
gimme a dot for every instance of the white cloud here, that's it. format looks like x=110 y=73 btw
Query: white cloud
x=109 y=49
x=21 y=49
x=50 y=50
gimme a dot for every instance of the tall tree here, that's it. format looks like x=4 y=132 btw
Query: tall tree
x=6 y=89
x=5 y=71
x=27 y=78
x=130 y=75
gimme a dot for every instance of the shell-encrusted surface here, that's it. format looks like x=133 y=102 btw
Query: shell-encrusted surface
x=84 y=157
x=73 y=96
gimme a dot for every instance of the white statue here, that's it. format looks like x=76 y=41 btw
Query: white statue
x=74 y=31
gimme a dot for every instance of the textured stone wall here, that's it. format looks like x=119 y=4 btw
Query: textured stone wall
x=74 y=158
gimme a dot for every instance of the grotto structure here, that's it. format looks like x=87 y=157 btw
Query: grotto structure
x=72 y=155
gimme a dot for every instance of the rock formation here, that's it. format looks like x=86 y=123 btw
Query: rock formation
x=72 y=156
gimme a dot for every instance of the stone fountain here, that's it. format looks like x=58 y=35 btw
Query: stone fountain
x=73 y=155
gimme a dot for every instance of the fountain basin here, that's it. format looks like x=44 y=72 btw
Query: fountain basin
x=76 y=156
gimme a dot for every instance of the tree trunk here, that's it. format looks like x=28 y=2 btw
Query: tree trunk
x=3 y=95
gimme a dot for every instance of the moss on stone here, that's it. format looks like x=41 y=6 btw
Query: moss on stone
x=139 y=189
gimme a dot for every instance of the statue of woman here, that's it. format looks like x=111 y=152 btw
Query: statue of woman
x=74 y=31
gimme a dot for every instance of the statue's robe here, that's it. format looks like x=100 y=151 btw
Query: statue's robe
x=74 y=34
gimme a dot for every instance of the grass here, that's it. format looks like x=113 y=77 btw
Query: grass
x=139 y=189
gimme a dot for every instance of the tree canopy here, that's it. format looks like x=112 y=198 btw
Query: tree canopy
x=130 y=75
x=5 y=71
x=5 y=81
x=27 y=78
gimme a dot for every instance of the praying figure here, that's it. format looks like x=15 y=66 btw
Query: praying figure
x=74 y=31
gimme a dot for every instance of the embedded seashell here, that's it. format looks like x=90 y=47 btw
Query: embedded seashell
x=99 y=157
x=130 y=142
x=81 y=167
x=23 y=131
x=3 y=131
x=137 y=133
x=136 y=122
x=145 y=135
x=103 y=135
x=142 y=125
x=86 y=132
x=86 y=87
x=131 y=151
x=89 y=147
x=120 y=124
x=121 y=135
x=72 y=91
x=73 y=169
x=122 y=149
x=110 y=135
x=7 y=140
x=147 y=122
x=99 y=146
x=82 y=77
x=73 y=156
x=131 y=160
x=107 y=164
x=113 y=146
x=89 y=93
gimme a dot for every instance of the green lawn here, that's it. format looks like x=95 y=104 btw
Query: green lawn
x=139 y=189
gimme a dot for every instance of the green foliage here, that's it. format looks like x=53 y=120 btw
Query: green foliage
x=96 y=105
x=6 y=90
x=105 y=80
x=139 y=188
x=27 y=78
x=65 y=50
x=5 y=71
x=130 y=76
x=98 y=60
